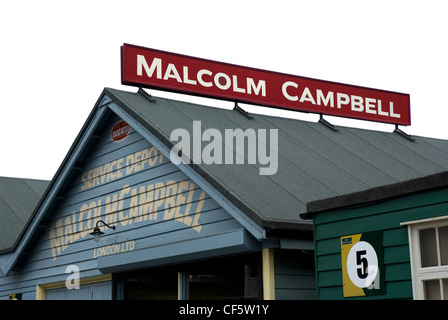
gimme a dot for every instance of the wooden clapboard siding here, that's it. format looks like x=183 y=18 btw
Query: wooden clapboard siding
x=294 y=275
x=47 y=263
x=386 y=216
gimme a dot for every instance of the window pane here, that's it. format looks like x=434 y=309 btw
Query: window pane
x=428 y=247
x=216 y=284
x=443 y=240
x=151 y=286
x=432 y=289
x=225 y=279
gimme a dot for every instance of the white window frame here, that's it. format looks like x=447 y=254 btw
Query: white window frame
x=419 y=274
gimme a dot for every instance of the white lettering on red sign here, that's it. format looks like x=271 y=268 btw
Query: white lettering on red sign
x=120 y=131
x=356 y=103
x=204 y=77
x=178 y=73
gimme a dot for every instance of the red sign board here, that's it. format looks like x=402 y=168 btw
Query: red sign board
x=162 y=70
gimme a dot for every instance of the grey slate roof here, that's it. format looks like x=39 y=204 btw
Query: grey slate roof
x=318 y=168
x=18 y=198
x=314 y=162
x=420 y=184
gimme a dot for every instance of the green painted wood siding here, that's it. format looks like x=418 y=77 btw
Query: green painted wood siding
x=386 y=216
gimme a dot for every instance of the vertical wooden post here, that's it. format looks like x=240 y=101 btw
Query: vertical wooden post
x=268 y=274
x=40 y=293
x=181 y=286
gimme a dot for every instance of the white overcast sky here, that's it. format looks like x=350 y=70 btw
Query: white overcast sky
x=57 y=56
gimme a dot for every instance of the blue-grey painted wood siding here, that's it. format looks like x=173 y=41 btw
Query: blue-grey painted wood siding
x=154 y=204
x=294 y=275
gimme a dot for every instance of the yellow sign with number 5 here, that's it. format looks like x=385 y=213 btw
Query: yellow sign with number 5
x=362 y=264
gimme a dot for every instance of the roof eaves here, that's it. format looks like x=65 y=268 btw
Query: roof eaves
x=428 y=182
